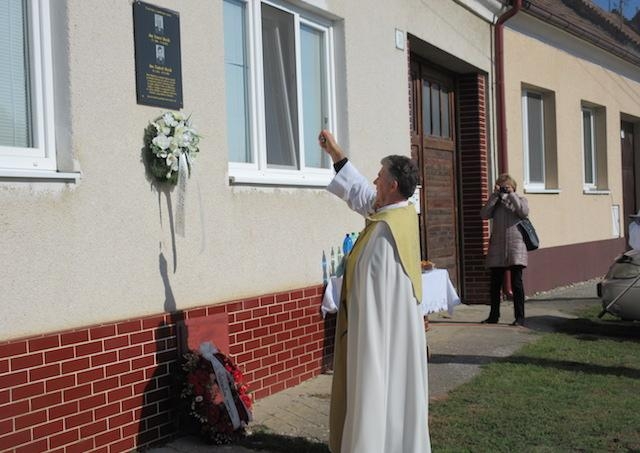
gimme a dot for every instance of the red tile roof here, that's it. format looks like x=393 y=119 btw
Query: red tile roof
x=588 y=21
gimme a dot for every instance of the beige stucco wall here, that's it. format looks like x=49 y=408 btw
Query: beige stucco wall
x=452 y=28
x=104 y=249
x=537 y=55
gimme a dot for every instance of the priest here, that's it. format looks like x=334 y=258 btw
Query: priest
x=379 y=399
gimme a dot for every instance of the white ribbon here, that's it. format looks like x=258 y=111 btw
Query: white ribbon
x=183 y=174
x=208 y=351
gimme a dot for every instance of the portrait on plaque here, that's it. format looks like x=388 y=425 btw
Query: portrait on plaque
x=159 y=23
x=156 y=33
x=159 y=54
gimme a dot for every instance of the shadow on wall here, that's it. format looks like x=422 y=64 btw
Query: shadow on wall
x=168 y=298
x=161 y=188
x=159 y=419
x=159 y=414
x=328 y=343
x=159 y=404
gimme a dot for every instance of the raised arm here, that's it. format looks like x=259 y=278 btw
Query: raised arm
x=487 y=210
x=510 y=200
x=348 y=184
x=519 y=205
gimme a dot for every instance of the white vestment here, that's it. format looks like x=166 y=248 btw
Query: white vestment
x=387 y=382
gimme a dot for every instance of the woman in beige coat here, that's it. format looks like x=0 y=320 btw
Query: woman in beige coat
x=507 y=250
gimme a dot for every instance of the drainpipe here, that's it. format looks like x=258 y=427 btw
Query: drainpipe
x=503 y=162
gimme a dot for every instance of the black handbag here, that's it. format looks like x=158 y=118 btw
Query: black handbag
x=529 y=234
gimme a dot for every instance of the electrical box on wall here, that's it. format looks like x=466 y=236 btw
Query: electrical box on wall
x=400 y=39
x=615 y=221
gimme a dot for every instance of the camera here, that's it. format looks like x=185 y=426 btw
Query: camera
x=504 y=189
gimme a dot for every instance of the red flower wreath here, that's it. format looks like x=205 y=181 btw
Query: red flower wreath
x=205 y=400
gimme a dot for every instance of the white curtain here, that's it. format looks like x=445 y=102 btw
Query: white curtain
x=281 y=103
x=536 y=137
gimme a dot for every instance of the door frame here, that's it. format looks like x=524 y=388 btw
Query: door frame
x=421 y=69
x=630 y=196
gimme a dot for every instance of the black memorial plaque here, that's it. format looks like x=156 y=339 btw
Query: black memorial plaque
x=157 y=53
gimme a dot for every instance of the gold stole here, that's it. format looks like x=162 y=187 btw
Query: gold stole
x=403 y=223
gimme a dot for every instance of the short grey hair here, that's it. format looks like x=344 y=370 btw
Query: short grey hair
x=404 y=171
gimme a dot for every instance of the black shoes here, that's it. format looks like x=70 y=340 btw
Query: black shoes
x=517 y=322
x=489 y=321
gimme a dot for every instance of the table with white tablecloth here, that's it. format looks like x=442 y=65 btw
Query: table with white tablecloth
x=438 y=293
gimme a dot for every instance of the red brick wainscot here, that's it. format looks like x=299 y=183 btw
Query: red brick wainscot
x=110 y=387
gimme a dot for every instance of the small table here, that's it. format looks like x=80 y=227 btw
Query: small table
x=438 y=293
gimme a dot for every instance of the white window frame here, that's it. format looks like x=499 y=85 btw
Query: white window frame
x=40 y=159
x=536 y=186
x=593 y=185
x=257 y=171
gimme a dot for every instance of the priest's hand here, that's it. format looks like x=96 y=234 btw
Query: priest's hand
x=327 y=142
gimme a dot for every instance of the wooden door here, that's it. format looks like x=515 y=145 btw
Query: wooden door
x=629 y=186
x=433 y=145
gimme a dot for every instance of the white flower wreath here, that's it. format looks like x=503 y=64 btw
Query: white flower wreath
x=171 y=142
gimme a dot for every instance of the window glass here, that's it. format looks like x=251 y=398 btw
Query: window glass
x=15 y=96
x=27 y=133
x=279 y=93
x=444 y=96
x=280 y=87
x=426 y=107
x=236 y=72
x=313 y=94
x=435 y=109
x=535 y=135
x=587 y=137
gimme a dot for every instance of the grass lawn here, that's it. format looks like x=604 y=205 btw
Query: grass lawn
x=577 y=390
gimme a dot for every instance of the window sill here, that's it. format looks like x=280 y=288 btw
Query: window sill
x=39 y=175
x=261 y=178
x=541 y=191
x=596 y=192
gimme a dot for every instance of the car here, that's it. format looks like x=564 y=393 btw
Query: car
x=620 y=288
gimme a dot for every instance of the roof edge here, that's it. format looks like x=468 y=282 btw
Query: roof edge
x=586 y=35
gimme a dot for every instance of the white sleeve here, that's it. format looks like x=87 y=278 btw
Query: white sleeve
x=350 y=186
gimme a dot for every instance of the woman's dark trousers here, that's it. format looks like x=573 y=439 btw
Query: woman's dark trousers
x=497 y=278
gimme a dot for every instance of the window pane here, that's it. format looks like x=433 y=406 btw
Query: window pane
x=236 y=71
x=444 y=101
x=435 y=108
x=426 y=107
x=587 y=132
x=536 y=138
x=281 y=104
x=15 y=103
x=313 y=94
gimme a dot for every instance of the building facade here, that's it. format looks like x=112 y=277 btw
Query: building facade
x=109 y=272
x=572 y=86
